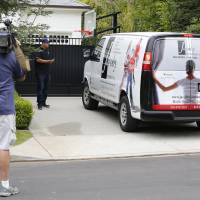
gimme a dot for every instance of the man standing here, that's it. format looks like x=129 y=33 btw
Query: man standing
x=9 y=70
x=43 y=60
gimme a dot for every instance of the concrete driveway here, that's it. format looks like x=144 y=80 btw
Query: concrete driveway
x=68 y=131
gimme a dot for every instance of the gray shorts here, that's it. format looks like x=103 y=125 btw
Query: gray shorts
x=7 y=131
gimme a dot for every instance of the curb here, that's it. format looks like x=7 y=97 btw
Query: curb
x=31 y=160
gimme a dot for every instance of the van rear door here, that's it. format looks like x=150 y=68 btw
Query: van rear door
x=176 y=73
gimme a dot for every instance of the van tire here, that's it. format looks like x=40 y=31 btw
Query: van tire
x=127 y=122
x=88 y=102
x=198 y=124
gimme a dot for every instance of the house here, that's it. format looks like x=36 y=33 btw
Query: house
x=65 y=20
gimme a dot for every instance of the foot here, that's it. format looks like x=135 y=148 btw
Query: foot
x=39 y=107
x=4 y=192
x=13 y=190
x=46 y=106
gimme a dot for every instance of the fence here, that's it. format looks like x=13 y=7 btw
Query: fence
x=66 y=73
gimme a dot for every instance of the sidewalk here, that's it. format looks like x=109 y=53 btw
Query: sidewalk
x=68 y=131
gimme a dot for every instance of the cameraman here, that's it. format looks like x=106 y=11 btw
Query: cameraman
x=10 y=70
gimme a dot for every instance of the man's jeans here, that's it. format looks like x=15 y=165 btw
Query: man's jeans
x=42 y=87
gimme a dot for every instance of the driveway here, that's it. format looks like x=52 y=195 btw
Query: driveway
x=68 y=131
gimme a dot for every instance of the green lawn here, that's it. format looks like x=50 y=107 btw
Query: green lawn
x=23 y=136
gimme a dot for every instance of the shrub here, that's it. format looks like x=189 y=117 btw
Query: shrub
x=24 y=112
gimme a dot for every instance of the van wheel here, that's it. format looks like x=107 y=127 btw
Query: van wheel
x=88 y=102
x=198 y=124
x=127 y=123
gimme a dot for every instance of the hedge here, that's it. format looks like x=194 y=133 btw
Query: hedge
x=24 y=112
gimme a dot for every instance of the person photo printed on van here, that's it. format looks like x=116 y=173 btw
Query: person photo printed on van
x=190 y=85
x=130 y=64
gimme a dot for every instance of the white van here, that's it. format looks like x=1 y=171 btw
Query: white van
x=146 y=77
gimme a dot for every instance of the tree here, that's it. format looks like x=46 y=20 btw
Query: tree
x=9 y=8
x=24 y=27
x=104 y=7
x=187 y=16
x=152 y=15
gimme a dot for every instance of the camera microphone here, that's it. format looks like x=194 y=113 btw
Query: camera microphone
x=7 y=22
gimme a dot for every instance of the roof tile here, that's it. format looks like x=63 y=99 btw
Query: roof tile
x=63 y=3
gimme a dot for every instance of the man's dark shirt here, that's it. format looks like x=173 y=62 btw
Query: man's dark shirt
x=43 y=54
x=9 y=70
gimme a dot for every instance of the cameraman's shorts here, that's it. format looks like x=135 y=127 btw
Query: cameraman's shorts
x=7 y=131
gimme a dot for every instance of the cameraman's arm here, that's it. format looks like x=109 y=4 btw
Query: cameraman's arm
x=19 y=73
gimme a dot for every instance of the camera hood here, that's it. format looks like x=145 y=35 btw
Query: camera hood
x=5 y=42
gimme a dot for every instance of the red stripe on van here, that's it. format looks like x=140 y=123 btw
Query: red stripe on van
x=166 y=107
x=188 y=35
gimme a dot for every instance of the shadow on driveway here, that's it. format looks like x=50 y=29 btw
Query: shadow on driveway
x=157 y=129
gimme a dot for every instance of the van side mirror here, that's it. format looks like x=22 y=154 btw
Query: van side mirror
x=87 y=53
x=94 y=57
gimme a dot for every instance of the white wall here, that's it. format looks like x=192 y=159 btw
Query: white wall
x=62 y=21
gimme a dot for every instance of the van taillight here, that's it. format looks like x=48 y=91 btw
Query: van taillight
x=147 y=62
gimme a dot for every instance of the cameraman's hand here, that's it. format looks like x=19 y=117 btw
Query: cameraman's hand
x=23 y=78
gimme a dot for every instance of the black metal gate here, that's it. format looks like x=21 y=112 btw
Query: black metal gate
x=66 y=73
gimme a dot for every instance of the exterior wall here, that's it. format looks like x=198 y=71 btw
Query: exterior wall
x=62 y=21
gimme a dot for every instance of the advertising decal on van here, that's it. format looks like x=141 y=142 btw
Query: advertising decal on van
x=176 y=72
x=106 y=59
x=128 y=79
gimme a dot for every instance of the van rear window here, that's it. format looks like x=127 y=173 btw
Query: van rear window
x=171 y=54
x=177 y=74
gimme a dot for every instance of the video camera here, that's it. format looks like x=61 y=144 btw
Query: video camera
x=9 y=43
x=7 y=39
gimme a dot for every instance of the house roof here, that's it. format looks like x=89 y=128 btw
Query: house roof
x=63 y=4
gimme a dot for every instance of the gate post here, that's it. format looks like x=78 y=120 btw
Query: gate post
x=115 y=22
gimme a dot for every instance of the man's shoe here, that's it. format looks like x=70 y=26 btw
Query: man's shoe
x=46 y=106
x=13 y=190
x=39 y=107
x=4 y=192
